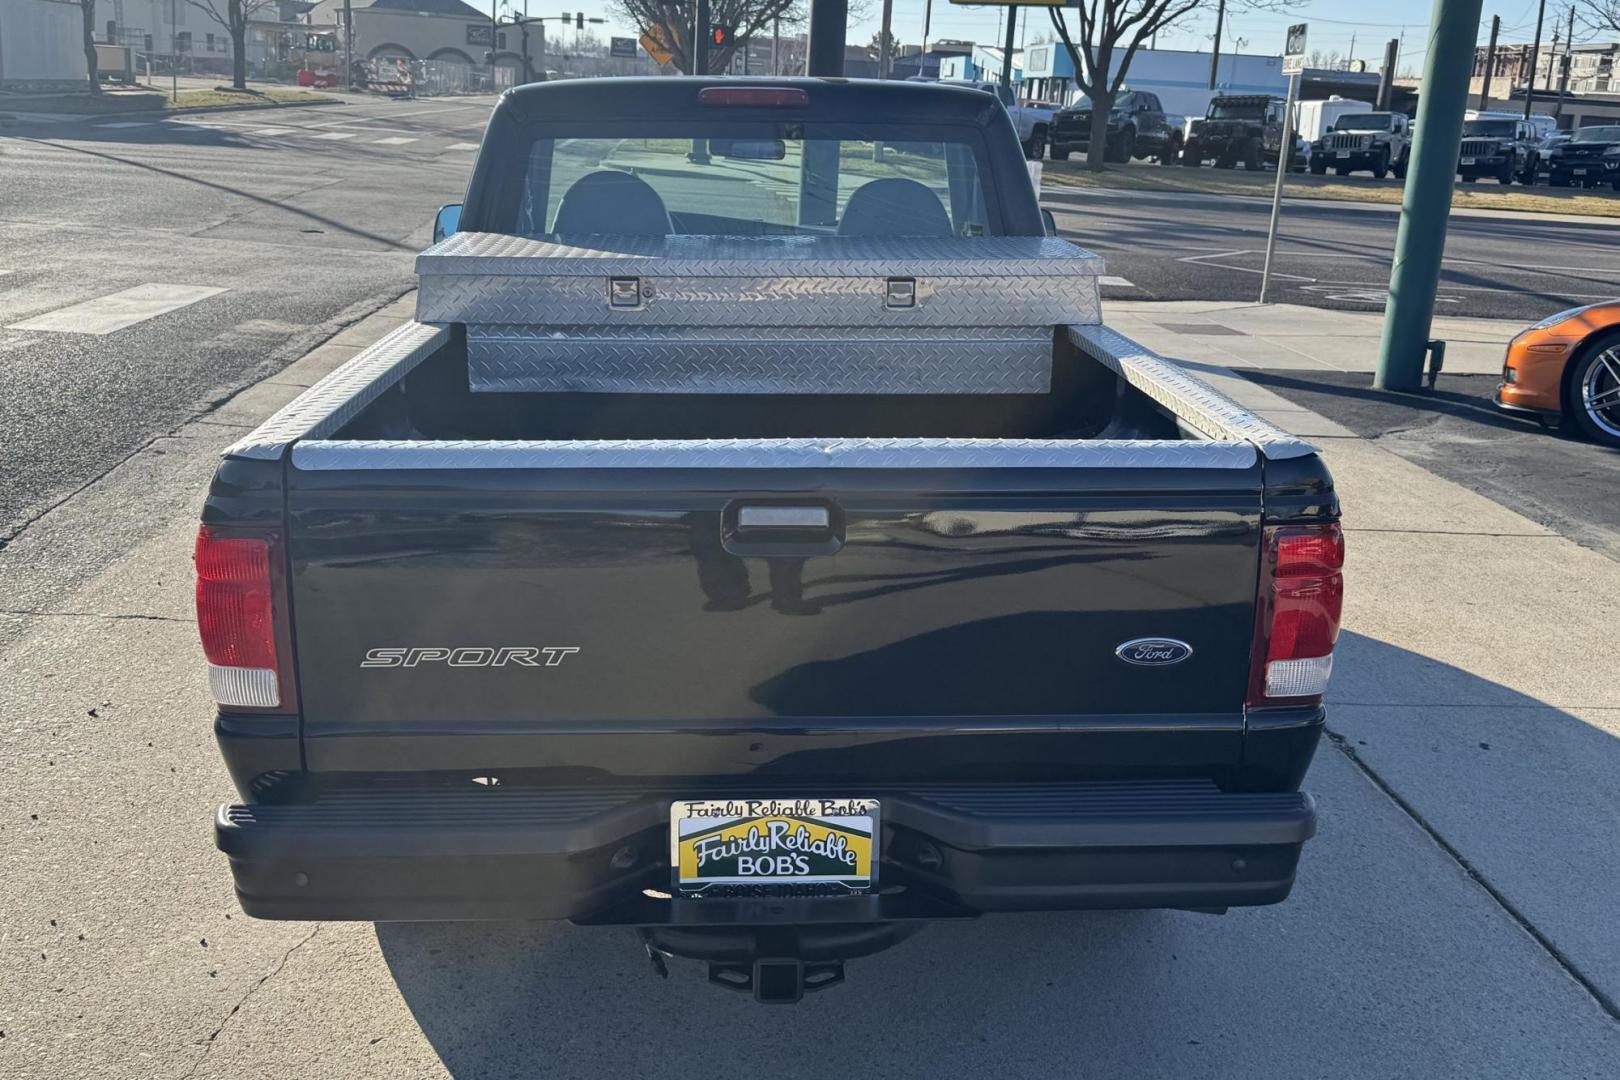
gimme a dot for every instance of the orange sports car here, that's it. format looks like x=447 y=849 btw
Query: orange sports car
x=1567 y=368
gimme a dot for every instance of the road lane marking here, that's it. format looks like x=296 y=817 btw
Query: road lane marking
x=462 y=146
x=117 y=310
x=392 y=140
x=268 y=131
x=128 y=124
x=1123 y=283
x=337 y=135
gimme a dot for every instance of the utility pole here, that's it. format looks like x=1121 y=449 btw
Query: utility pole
x=1007 y=49
x=1490 y=63
x=829 y=23
x=883 y=39
x=494 y=36
x=1386 y=78
x=348 y=45
x=776 y=45
x=1215 y=53
x=928 y=18
x=1535 y=60
x=1420 y=241
x=700 y=40
x=1350 y=59
x=1569 y=59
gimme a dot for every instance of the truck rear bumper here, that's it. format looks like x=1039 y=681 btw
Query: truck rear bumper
x=599 y=854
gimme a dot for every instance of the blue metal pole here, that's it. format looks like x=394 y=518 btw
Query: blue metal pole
x=1420 y=242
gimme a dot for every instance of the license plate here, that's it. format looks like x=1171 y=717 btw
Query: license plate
x=1467 y=161
x=773 y=847
x=1579 y=172
x=1344 y=153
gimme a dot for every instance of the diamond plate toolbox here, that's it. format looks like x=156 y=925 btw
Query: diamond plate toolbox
x=757 y=315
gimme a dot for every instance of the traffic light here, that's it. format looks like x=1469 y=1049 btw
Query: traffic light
x=720 y=36
x=579 y=21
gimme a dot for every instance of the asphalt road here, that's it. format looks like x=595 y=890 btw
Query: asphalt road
x=306 y=218
x=1174 y=246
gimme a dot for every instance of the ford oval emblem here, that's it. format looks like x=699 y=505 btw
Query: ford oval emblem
x=1153 y=651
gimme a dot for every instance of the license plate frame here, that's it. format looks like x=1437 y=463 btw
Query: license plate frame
x=1344 y=153
x=1467 y=161
x=789 y=847
x=1578 y=172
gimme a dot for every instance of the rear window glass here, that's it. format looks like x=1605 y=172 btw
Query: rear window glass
x=752 y=179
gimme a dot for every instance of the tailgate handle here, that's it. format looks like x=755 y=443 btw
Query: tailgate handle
x=782 y=530
x=784 y=517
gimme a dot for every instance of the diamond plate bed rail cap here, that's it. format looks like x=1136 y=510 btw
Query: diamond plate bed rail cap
x=339 y=397
x=1184 y=394
x=775 y=454
x=752 y=256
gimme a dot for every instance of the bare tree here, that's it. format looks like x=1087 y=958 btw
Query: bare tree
x=1110 y=33
x=233 y=15
x=87 y=8
x=673 y=23
x=1602 y=16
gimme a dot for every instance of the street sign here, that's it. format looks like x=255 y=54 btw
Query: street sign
x=1294 y=51
x=622 y=47
x=653 y=41
x=482 y=33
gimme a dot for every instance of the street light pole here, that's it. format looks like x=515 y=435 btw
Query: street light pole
x=174 y=52
x=1007 y=48
x=1420 y=242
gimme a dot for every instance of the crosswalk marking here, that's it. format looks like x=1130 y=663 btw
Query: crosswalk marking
x=462 y=146
x=392 y=140
x=269 y=131
x=337 y=135
x=129 y=124
x=1110 y=279
x=117 y=310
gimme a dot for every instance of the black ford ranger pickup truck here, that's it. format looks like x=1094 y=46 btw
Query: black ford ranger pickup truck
x=759 y=542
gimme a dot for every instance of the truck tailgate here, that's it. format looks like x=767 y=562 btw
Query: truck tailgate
x=501 y=600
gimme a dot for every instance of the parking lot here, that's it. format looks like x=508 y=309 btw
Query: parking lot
x=1453 y=918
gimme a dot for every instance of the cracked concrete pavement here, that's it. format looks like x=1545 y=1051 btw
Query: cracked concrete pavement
x=1452 y=919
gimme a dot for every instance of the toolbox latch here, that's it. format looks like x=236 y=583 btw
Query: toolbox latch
x=900 y=292
x=625 y=292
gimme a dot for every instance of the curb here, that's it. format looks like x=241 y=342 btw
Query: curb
x=7 y=119
x=1497 y=212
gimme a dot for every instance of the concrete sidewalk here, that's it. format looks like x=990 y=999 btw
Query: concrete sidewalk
x=1489 y=725
x=1292 y=337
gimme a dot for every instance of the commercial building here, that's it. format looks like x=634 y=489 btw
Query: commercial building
x=42 y=46
x=1179 y=77
x=443 y=32
x=982 y=62
x=160 y=29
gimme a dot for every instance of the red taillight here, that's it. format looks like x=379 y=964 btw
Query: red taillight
x=754 y=97
x=237 y=588
x=1297 y=613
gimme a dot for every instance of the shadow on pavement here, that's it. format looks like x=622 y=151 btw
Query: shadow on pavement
x=1557 y=479
x=279 y=204
x=1387 y=960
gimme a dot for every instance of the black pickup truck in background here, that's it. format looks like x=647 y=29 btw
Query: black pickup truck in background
x=1138 y=127
x=765 y=549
